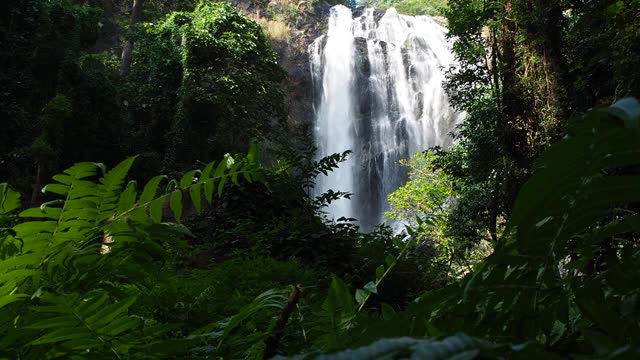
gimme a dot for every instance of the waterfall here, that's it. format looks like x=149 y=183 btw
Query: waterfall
x=378 y=92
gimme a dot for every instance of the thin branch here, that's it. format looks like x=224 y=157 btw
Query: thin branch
x=273 y=340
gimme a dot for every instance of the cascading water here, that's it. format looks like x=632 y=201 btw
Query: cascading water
x=378 y=84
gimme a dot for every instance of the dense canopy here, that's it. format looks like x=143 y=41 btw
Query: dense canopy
x=159 y=197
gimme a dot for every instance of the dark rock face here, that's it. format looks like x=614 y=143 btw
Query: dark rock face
x=294 y=57
x=370 y=188
x=295 y=60
x=377 y=14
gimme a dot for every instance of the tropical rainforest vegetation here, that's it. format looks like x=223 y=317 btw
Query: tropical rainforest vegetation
x=156 y=198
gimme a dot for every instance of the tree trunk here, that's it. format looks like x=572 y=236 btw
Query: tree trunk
x=127 y=49
x=545 y=31
x=513 y=136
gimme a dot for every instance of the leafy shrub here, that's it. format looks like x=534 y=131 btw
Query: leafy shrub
x=276 y=30
x=410 y=7
x=191 y=82
x=199 y=297
x=563 y=275
x=71 y=274
x=41 y=42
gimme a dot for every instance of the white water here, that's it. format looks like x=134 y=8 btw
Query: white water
x=378 y=85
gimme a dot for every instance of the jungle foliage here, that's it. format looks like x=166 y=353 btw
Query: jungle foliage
x=521 y=239
x=192 y=76
x=410 y=7
x=91 y=271
x=525 y=69
x=191 y=82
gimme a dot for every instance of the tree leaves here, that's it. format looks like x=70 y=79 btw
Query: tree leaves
x=98 y=233
x=578 y=203
x=80 y=323
x=9 y=199
x=561 y=271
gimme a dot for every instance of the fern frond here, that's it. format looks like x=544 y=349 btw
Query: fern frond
x=221 y=331
x=584 y=192
x=57 y=250
x=9 y=199
x=110 y=189
x=80 y=323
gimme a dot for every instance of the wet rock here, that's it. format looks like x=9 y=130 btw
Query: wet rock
x=377 y=13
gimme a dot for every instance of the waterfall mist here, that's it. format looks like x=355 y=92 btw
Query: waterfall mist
x=378 y=92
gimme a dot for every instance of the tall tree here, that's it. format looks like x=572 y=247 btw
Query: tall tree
x=127 y=49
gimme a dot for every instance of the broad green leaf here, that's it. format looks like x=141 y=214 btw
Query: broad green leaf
x=111 y=188
x=388 y=312
x=9 y=199
x=234 y=177
x=252 y=154
x=151 y=189
x=177 y=228
x=8 y=299
x=89 y=305
x=114 y=179
x=339 y=299
x=187 y=179
x=389 y=260
x=156 y=209
x=209 y=187
x=64 y=321
x=82 y=170
x=127 y=198
x=110 y=312
x=62 y=335
x=20 y=261
x=63 y=179
x=361 y=296
x=176 y=204
x=31 y=228
x=379 y=272
x=47 y=212
x=371 y=287
x=399 y=243
x=119 y=326
x=196 y=197
x=17 y=275
x=222 y=167
x=56 y=189
x=221 y=185
x=83 y=344
x=206 y=173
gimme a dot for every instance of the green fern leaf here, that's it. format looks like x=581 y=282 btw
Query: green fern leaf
x=111 y=187
x=151 y=189
x=9 y=199
x=59 y=189
x=155 y=210
x=206 y=172
x=79 y=323
x=221 y=184
x=188 y=179
x=11 y=298
x=209 y=187
x=175 y=203
x=127 y=198
x=196 y=196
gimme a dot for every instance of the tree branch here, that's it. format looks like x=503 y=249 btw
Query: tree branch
x=272 y=341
